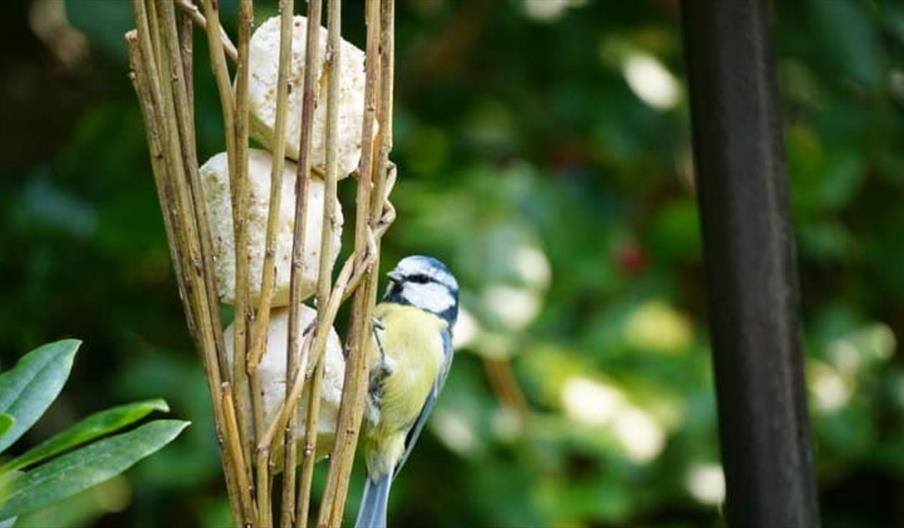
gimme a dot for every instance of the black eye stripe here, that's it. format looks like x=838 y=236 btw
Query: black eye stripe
x=419 y=278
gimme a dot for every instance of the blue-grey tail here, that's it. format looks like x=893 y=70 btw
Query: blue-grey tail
x=372 y=512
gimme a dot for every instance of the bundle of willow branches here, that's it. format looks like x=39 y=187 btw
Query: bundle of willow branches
x=160 y=53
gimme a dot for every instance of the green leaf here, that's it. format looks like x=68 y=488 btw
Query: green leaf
x=5 y=480
x=85 y=467
x=92 y=427
x=85 y=508
x=31 y=386
x=6 y=423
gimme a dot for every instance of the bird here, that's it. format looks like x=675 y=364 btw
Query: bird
x=408 y=362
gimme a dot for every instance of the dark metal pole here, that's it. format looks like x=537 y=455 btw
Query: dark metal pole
x=750 y=265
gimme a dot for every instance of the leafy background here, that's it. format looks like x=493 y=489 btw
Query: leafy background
x=544 y=154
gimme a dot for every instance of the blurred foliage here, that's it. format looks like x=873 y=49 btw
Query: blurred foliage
x=544 y=154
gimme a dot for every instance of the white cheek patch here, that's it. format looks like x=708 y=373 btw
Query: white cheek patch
x=429 y=296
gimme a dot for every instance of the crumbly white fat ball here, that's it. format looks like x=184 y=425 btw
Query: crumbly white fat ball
x=218 y=198
x=272 y=370
x=264 y=60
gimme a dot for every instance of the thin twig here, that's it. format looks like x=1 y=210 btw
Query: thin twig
x=290 y=460
x=198 y=18
x=235 y=449
x=309 y=453
x=244 y=312
x=384 y=112
x=154 y=29
x=264 y=500
x=186 y=31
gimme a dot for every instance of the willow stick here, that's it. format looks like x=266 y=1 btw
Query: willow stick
x=235 y=449
x=221 y=77
x=185 y=123
x=309 y=453
x=350 y=410
x=186 y=32
x=379 y=198
x=303 y=176
x=384 y=112
x=224 y=88
x=264 y=500
x=244 y=313
x=290 y=457
x=190 y=9
x=153 y=26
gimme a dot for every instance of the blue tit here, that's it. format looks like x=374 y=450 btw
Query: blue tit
x=408 y=360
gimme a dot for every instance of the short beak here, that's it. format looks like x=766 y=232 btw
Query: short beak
x=394 y=276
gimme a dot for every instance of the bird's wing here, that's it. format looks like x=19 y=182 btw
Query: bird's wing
x=415 y=431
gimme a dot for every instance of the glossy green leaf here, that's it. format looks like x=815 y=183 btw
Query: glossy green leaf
x=6 y=480
x=92 y=427
x=31 y=386
x=6 y=423
x=85 y=467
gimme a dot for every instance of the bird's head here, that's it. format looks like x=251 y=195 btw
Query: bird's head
x=425 y=283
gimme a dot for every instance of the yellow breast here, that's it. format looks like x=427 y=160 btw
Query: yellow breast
x=411 y=346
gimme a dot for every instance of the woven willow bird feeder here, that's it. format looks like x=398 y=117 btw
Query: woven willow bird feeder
x=260 y=230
